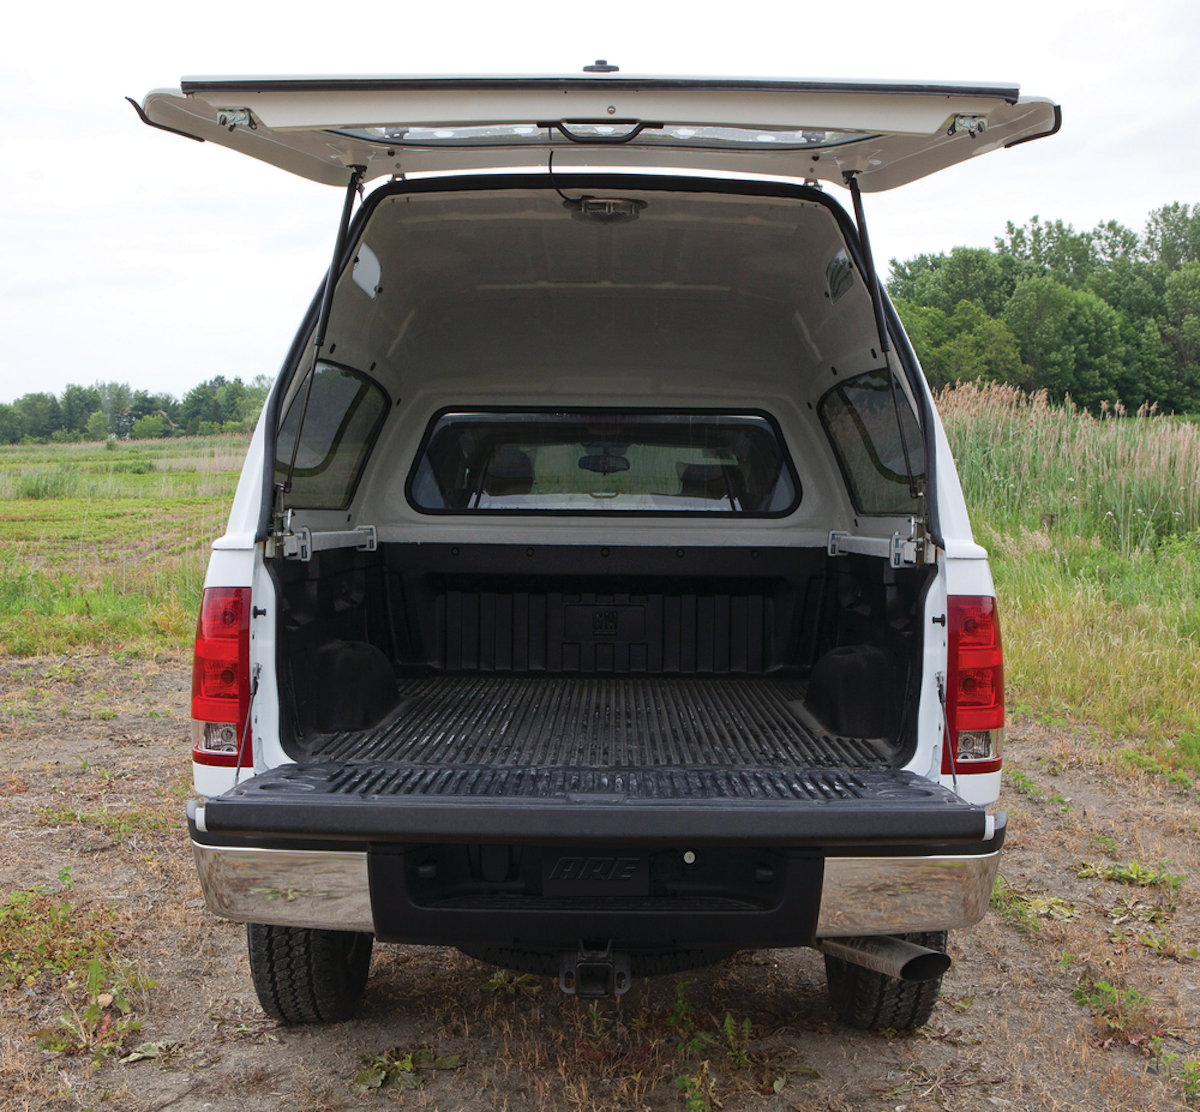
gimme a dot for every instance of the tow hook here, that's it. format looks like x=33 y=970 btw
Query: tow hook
x=593 y=974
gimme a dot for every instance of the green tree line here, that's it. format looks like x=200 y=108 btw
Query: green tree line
x=114 y=409
x=1107 y=315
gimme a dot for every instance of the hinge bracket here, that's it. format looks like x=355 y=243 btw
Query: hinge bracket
x=298 y=545
x=904 y=552
x=303 y=542
x=972 y=125
x=236 y=117
x=901 y=550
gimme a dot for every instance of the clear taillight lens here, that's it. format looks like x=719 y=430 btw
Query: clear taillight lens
x=221 y=677
x=975 y=684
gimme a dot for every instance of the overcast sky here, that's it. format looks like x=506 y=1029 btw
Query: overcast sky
x=132 y=255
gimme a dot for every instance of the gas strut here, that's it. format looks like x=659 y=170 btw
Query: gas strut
x=339 y=246
x=872 y=279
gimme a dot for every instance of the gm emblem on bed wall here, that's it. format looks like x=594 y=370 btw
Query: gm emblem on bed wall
x=605 y=623
x=589 y=622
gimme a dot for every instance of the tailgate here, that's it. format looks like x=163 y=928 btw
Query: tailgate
x=761 y=806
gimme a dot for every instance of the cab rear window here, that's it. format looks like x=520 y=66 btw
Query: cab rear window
x=603 y=461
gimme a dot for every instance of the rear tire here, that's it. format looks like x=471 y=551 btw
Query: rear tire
x=875 y=1002
x=304 y=975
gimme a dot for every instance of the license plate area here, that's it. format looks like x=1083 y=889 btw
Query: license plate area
x=595 y=874
x=529 y=895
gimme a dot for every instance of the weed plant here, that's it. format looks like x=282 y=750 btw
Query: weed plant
x=401 y=1068
x=1119 y=1012
x=1135 y=873
x=1172 y=1064
x=697 y=1091
x=99 y=1016
x=46 y=940
x=42 y=933
x=1023 y=910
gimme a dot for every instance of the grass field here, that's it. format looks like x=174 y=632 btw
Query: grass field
x=106 y=547
x=1093 y=525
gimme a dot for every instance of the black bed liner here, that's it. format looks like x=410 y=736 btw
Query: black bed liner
x=604 y=725
x=617 y=761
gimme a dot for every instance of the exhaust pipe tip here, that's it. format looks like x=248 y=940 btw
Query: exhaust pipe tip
x=894 y=957
x=925 y=967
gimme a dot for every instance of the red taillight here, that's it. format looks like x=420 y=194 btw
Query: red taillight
x=974 y=685
x=221 y=678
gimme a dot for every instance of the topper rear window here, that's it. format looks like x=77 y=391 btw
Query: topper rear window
x=603 y=461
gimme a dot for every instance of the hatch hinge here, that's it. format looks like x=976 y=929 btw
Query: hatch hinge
x=236 y=117
x=972 y=125
x=903 y=552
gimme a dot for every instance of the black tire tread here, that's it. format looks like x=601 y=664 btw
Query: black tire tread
x=304 y=975
x=875 y=1002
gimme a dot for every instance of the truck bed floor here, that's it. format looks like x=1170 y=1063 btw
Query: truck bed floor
x=593 y=723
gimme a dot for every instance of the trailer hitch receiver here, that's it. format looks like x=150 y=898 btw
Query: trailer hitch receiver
x=592 y=973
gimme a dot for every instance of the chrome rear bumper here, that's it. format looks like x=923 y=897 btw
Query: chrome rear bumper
x=330 y=889
x=893 y=895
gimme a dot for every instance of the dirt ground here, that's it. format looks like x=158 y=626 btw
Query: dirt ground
x=1074 y=992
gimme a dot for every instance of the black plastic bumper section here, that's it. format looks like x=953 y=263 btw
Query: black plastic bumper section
x=436 y=894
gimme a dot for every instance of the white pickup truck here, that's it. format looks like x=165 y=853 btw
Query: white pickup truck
x=598 y=596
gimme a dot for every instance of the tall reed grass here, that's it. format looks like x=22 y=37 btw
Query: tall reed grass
x=1093 y=526
x=1027 y=464
x=180 y=468
x=62 y=481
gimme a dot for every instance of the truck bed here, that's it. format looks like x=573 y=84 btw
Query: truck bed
x=680 y=736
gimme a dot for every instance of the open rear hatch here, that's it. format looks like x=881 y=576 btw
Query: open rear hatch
x=886 y=134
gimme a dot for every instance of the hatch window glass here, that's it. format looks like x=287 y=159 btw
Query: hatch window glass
x=603 y=462
x=860 y=419
x=342 y=420
x=529 y=134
